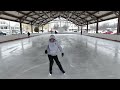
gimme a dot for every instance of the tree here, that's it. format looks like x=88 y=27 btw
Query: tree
x=36 y=29
x=106 y=25
x=56 y=26
x=65 y=27
x=113 y=26
x=93 y=27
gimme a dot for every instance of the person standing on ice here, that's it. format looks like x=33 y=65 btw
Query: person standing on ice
x=28 y=34
x=52 y=50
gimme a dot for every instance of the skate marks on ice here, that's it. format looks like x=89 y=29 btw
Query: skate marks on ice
x=35 y=72
x=85 y=57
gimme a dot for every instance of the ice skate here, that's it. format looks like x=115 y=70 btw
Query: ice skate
x=49 y=75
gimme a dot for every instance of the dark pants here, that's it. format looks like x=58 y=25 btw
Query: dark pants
x=51 y=59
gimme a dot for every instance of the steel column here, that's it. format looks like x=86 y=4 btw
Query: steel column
x=118 y=26
x=87 y=26
x=20 y=27
x=78 y=28
x=31 y=27
x=97 y=26
x=81 y=30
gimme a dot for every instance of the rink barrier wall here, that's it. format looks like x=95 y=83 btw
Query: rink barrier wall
x=23 y=36
x=15 y=37
x=104 y=36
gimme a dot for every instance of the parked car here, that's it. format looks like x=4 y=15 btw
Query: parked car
x=75 y=31
x=1 y=33
x=108 y=32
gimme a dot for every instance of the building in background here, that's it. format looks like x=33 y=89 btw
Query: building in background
x=14 y=28
x=60 y=25
x=4 y=26
x=26 y=28
x=9 y=27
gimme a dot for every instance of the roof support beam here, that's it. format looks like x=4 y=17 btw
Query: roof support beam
x=116 y=13
x=103 y=16
x=48 y=18
x=46 y=22
x=12 y=20
x=23 y=18
x=90 y=14
x=83 y=19
x=10 y=15
x=105 y=20
x=73 y=18
x=45 y=13
x=37 y=18
x=1 y=12
x=73 y=21
x=73 y=13
x=78 y=20
x=79 y=14
x=70 y=14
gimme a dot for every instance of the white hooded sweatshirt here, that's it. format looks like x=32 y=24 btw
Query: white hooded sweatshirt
x=53 y=47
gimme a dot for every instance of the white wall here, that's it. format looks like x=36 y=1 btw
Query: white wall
x=15 y=37
x=105 y=36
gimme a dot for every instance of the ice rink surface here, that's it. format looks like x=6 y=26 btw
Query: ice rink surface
x=85 y=58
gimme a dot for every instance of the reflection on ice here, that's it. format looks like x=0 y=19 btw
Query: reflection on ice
x=85 y=57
